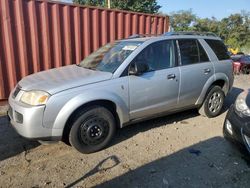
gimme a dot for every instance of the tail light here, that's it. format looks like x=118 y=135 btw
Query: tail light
x=236 y=66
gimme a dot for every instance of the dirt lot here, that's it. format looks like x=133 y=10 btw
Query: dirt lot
x=181 y=150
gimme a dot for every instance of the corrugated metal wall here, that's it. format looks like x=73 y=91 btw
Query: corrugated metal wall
x=39 y=35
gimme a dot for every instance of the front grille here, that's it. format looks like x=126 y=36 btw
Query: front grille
x=15 y=116
x=18 y=117
x=15 y=93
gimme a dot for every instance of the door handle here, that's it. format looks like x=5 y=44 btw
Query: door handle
x=171 y=76
x=206 y=71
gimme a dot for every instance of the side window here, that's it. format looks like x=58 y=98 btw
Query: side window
x=159 y=55
x=189 y=51
x=219 y=49
x=202 y=53
x=192 y=52
x=165 y=55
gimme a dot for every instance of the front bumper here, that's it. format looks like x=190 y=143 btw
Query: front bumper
x=28 y=122
x=240 y=127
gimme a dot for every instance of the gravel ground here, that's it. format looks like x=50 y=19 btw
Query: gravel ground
x=181 y=150
x=3 y=110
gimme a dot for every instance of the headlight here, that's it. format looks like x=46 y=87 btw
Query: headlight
x=241 y=106
x=35 y=98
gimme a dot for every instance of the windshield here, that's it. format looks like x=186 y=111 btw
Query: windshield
x=109 y=57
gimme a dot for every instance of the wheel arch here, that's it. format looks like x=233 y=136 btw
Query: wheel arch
x=220 y=80
x=106 y=98
x=110 y=105
x=222 y=84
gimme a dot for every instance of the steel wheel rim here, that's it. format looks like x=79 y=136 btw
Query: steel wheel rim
x=94 y=130
x=215 y=102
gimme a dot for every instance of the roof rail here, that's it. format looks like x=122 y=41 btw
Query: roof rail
x=142 y=35
x=210 y=34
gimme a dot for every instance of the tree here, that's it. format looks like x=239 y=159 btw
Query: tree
x=207 y=25
x=90 y=2
x=234 y=30
x=146 y=6
x=182 y=20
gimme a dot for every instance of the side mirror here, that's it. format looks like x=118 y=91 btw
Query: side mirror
x=138 y=68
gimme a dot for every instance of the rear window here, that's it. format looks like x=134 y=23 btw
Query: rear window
x=219 y=49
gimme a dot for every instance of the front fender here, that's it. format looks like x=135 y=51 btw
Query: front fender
x=86 y=97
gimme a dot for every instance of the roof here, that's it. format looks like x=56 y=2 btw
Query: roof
x=173 y=35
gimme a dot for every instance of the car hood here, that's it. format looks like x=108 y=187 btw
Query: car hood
x=59 y=79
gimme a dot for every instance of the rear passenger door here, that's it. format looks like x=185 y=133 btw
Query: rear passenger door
x=195 y=70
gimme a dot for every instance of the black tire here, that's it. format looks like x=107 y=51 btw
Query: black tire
x=213 y=102
x=92 y=129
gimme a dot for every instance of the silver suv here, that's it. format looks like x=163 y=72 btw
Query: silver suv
x=121 y=83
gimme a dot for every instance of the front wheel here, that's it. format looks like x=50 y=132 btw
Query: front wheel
x=213 y=103
x=92 y=129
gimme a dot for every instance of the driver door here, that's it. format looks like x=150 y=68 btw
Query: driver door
x=156 y=90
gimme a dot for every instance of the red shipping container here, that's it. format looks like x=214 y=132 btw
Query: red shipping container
x=39 y=35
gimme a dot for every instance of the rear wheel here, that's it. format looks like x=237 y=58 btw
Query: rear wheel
x=213 y=103
x=92 y=129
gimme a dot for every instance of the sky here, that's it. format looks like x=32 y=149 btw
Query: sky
x=206 y=8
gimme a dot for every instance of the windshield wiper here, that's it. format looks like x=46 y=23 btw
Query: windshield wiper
x=91 y=68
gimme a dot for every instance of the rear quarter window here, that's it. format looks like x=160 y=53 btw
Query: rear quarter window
x=219 y=49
